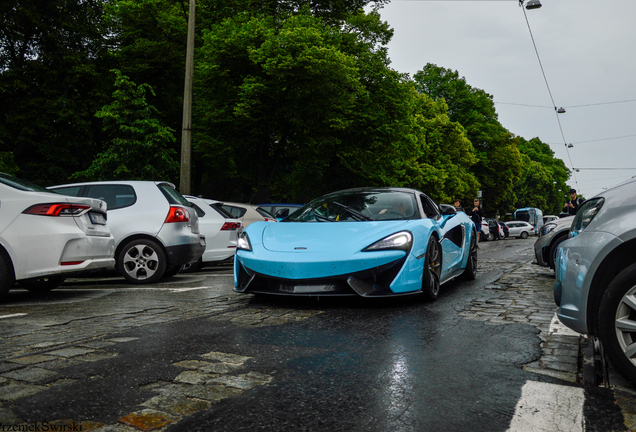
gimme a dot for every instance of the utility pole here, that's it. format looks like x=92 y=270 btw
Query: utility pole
x=186 y=130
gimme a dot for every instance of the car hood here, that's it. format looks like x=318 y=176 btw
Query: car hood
x=326 y=236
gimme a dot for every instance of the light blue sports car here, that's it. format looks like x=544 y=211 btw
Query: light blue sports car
x=368 y=242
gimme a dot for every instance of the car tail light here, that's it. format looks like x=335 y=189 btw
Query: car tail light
x=230 y=226
x=57 y=209
x=177 y=214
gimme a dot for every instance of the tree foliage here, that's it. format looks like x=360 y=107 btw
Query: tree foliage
x=139 y=142
x=292 y=99
x=499 y=162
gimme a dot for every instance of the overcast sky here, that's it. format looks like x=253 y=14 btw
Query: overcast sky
x=588 y=52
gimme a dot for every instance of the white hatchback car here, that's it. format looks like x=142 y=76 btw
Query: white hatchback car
x=520 y=229
x=221 y=233
x=45 y=236
x=155 y=228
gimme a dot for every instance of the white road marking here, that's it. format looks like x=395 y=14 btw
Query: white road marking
x=548 y=407
x=12 y=315
x=558 y=328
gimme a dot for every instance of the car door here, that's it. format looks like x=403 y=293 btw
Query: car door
x=452 y=237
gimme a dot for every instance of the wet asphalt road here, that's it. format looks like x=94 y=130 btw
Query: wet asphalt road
x=189 y=354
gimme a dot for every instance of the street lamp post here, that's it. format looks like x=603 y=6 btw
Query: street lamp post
x=186 y=131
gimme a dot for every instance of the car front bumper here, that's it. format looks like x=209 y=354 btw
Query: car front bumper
x=372 y=274
x=540 y=252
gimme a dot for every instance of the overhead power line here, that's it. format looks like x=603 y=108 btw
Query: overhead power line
x=556 y=113
x=571 y=106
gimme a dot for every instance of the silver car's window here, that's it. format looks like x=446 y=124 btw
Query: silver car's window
x=173 y=196
x=357 y=206
x=116 y=196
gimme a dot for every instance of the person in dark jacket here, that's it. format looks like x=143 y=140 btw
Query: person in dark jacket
x=477 y=214
x=573 y=204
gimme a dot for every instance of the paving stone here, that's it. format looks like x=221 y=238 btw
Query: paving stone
x=177 y=404
x=31 y=374
x=60 y=363
x=212 y=393
x=220 y=368
x=95 y=357
x=194 y=377
x=123 y=339
x=96 y=344
x=32 y=359
x=148 y=419
x=70 y=352
x=14 y=391
x=240 y=382
x=225 y=357
x=192 y=364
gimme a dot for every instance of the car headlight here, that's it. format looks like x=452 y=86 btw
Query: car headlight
x=586 y=213
x=244 y=242
x=546 y=229
x=402 y=241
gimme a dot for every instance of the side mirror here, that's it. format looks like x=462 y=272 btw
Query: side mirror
x=447 y=210
x=282 y=213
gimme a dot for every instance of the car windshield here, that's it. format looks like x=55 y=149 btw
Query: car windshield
x=356 y=206
x=22 y=185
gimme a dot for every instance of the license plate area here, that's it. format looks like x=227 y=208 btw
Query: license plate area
x=97 y=218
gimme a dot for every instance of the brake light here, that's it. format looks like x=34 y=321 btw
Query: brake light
x=177 y=214
x=57 y=209
x=230 y=226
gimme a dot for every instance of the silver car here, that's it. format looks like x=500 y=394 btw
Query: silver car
x=45 y=236
x=156 y=230
x=595 y=287
x=551 y=235
x=520 y=229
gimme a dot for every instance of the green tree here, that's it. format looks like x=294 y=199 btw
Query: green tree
x=543 y=180
x=139 y=142
x=499 y=161
x=53 y=55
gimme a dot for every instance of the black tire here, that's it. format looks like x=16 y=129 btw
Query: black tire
x=6 y=274
x=42 y=285
x=616 y=314
x=432 y=270
x=554 y=249
x=142 y=261
x=192 y=267
x=524 y=235
x=470 y=272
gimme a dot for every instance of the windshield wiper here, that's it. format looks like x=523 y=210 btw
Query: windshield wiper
x=321 y=217
x=353 y=212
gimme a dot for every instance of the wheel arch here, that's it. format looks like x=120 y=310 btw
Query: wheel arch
x=5 y=253
x=614 y=263
x=122 y=243
x=546 y=250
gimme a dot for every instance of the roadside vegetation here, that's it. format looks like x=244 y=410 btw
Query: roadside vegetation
x=292 y=99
